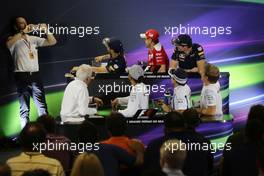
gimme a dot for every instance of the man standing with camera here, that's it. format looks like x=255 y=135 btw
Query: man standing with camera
x=24 y=51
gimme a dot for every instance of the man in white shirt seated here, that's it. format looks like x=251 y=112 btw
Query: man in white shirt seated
x=211 y=100
x=76 y=97
x=139 y=95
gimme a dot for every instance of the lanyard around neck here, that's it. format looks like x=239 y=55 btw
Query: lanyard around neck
x=27 y=43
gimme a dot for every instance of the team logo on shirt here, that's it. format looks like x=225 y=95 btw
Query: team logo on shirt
x=150 y=35
x=111 y=68
x=180 y=101
x=182 y=56
x=116 y=66
x=200 y=49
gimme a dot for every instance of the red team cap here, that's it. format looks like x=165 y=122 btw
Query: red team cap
x=151 y=33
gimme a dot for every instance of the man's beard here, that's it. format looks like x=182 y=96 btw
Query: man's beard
x=111 y=55
x=23 y=27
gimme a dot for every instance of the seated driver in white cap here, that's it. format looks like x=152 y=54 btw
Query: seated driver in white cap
x=182 y=92
x=139 y=95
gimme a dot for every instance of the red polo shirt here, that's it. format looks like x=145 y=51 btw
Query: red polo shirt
x=122 y=142
x=158 y=56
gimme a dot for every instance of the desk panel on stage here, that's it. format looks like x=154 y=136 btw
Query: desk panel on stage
x=110 y=86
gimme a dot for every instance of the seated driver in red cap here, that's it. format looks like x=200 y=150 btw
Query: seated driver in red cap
x=157 y=58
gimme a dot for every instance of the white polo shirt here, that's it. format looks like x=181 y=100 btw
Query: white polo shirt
x=181 y=98
x=76 y=100
x=138 y=99
x=211 y=96
x=20 y=53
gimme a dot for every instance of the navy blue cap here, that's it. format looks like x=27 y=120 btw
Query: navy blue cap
x=183 y=40
x=114 y=44
x=179 y=75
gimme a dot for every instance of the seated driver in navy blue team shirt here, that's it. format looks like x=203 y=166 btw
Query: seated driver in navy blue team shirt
x=188 y=55
x=116 y=62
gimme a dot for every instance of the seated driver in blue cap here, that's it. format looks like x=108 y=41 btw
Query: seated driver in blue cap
x=182 y=92
x=139 y=95
x=116 y=62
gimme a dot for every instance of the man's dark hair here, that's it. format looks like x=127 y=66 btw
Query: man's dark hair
x=191 y=118
x=13 y=23
x=48 y=122
x=254 y=131
x=181 y=83
x=153 y=172
x=140 y=79
x=32 y=133
x=116 y=124
x=173 y=120
x=37 y=172
x=5 y=170
x=87 y=132
x=122 y=53
x=256 y=112
x=260 y=157
x=155 y=41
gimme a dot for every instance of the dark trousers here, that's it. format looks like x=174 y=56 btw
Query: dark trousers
x=29 y=84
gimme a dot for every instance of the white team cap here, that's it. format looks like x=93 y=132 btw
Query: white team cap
x=135 y=71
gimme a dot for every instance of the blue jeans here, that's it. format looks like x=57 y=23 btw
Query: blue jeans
x=29 y=84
